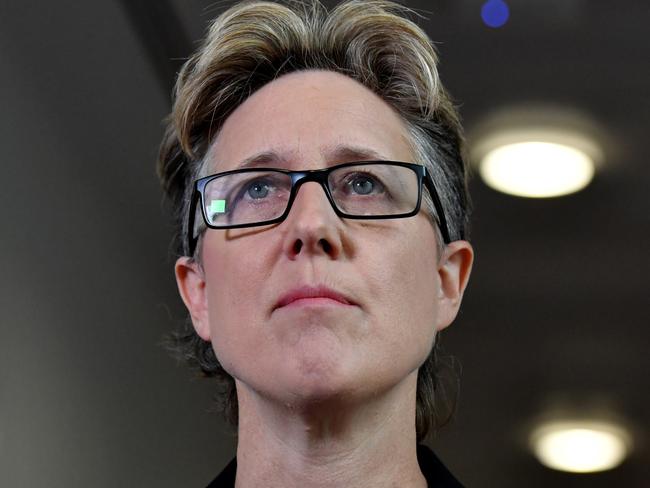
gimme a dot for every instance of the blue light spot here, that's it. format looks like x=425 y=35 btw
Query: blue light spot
x=495 y=13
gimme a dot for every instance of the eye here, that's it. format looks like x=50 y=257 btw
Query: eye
x=362 y=185
x=258 y=189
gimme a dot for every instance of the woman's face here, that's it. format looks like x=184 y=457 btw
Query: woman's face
x=249 y=298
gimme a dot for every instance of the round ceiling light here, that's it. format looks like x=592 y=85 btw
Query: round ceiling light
x=537 y=169
x=548 y=158
x=580 y=446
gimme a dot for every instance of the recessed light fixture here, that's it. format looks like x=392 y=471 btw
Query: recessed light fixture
x=536 y=160
x=580 y=446
x=537 y=169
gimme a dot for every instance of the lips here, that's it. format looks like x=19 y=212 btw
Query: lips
x=312 y=292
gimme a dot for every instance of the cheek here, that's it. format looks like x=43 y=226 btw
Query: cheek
x=418 y=293
x=406 y=284
x=410 y=268
x=233 y=272
x=234 y=281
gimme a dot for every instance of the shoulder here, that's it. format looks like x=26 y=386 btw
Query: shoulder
x=226 y=478
x=434 y=471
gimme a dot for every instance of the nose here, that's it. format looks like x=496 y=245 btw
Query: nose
x=312 y=226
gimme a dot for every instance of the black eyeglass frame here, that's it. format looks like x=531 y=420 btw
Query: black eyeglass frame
x=319 y=176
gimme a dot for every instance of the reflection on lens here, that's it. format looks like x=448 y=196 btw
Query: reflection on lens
x=247 y=197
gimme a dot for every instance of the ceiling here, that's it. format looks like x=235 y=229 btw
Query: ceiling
x=556 y=316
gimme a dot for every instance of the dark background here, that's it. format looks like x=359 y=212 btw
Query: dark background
x=557 y=309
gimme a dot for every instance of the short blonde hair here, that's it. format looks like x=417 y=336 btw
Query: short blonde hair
x=371 y=41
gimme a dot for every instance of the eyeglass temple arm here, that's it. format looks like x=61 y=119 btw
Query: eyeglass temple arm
x=190 y=223
x=442 y=221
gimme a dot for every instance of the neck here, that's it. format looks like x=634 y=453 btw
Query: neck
x=330 y=443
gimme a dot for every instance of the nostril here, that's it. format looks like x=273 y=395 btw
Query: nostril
x=324 y=244
x=327 y=247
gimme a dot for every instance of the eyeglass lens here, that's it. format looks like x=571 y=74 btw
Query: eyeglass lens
x=257 y=196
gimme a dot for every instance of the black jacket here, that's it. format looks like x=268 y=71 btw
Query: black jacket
x=434 y=471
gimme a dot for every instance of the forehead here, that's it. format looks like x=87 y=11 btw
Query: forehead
x=310 y=119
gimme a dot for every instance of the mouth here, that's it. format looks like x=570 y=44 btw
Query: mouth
x=313 y=296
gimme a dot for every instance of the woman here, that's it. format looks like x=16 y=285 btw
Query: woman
x=299 y=147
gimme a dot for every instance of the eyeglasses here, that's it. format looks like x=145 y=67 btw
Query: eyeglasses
x=252 y=197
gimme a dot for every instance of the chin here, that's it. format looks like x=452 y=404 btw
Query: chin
x=314 y=379
x=317 y=378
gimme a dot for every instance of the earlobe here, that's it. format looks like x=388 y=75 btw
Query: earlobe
x=453 y=270
x=191 y=286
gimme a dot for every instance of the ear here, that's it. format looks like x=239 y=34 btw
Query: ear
x=191 y=286
x=454 y=269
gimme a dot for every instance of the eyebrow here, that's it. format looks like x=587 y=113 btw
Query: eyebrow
x=342 y=152
x=337 y=154
x=265 y=158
